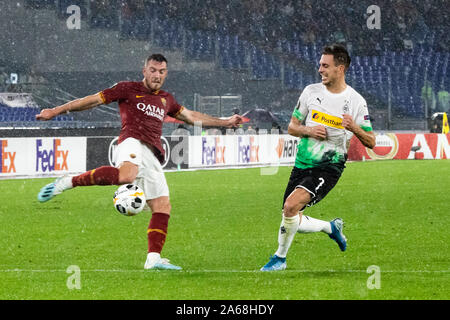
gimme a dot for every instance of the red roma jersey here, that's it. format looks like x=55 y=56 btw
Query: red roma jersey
x=142 y=112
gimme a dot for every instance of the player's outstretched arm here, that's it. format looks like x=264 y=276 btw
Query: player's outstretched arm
x=192 y=117
x=81 y=104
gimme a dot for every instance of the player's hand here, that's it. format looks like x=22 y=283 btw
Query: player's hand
x=348 y=123
x=46 y=114
x=234 y=121
x=317 y=132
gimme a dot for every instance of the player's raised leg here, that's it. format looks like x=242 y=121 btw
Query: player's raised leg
x=105 y=175
x=332 y=228
x=157 y=233
x=336 y=233
x=310 y=225
x=52 y=189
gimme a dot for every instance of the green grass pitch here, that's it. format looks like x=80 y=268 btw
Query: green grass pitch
x=224 y=228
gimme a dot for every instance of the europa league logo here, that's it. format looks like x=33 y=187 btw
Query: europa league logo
x=386 y=147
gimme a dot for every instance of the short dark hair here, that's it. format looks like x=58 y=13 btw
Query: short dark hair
x=340 y=54
x=156 y=57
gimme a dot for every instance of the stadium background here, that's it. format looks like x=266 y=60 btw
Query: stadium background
x=224 y=57
x=241 y=55
x=264 y=51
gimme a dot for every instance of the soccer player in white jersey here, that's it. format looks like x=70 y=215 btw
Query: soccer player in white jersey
x=327 y=115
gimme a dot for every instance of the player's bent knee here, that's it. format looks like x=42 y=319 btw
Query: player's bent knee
x=161 y=204
x=127 y=173
x=295 y=202
x=291 y=209
x=125 y=179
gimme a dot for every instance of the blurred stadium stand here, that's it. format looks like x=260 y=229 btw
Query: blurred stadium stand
x=400 y=70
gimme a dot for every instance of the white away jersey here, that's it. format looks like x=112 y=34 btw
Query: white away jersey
x=318 y=106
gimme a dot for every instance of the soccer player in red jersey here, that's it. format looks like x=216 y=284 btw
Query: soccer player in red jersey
x=143 y=107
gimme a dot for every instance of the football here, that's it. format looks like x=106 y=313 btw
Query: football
x=129 y=200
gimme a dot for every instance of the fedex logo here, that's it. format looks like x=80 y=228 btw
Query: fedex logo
x=214 y=154
x=248 y=152
x=6 y=158
x=53 y=159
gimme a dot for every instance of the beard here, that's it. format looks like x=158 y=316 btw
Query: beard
x=152 y=85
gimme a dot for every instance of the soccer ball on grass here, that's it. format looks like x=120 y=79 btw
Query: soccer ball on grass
x=129 y=200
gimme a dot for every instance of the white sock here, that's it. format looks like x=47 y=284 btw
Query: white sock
x=63 y=183
x=286 y=234
x=309 y=224
x=152 y=259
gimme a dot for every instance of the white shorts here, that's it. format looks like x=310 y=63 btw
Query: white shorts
x=150 y=176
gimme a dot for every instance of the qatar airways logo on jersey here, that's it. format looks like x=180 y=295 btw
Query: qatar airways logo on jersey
x=151 y=110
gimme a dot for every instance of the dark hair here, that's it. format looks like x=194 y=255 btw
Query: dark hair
x=340 y=54
x=156 y=57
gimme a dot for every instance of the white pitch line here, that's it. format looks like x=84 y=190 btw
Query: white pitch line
x=220 y=271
